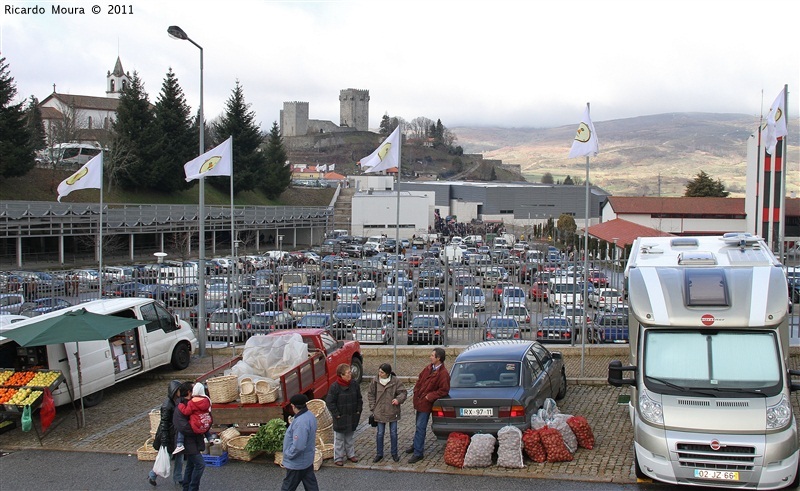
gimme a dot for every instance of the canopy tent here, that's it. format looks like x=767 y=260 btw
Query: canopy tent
x=73 y=326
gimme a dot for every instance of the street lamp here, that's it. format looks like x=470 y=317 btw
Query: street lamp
x=176 y=32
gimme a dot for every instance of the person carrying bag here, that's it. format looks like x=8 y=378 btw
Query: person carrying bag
x=386 y=394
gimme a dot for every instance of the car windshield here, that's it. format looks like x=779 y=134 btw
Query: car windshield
x=554 y=322
x=368 y=324
x=348 y=308
x=314 y=320
x=302 y=306
x=485 y=374
x=464 y=309
x=219 y=317
x=516 y=310
x=431 y=293
x=262 y=320
x=425 y=322
x=496 y=322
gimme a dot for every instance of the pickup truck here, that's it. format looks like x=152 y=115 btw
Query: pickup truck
x=312 y=377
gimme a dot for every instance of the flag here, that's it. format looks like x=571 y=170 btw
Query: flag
x=216 y=162
x=585 y=139
x=322 y=168
x=90 y=176
x=776 y=123
x=331 y=167
x=386 y=156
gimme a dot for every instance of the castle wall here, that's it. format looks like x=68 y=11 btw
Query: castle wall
x=294 y=119
x=354 y=109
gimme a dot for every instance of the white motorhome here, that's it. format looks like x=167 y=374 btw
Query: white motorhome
x=564 y=290
x=165 y=339
x=709 y=349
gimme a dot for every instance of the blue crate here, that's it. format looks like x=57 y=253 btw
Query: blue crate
x=216 y=460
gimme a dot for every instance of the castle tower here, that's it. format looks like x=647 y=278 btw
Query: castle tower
x=354 y=109
x=116 y=81
x=294 y=119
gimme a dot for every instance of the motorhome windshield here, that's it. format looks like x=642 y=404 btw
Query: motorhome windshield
x=702 y=361
x=566 y=288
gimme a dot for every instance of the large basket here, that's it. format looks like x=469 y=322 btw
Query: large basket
x=326 y=449
x=325 y=434
x=320 y=410
x=236 y=449
x=317 y=459
x=155 y=420
x=223 y=389
x=226 y=436
x=146 y=451
x=247 y=393
x=265 y=392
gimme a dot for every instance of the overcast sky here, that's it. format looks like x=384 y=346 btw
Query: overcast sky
x=532 y=63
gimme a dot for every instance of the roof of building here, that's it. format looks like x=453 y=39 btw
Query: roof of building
x=623 y=231
x=118 y=71
x=83 y=102
x=639 y=205
x=334 y=176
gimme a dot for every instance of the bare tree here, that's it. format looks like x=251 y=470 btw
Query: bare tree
x=419 y=127
x=180 y=244
x=120 y=159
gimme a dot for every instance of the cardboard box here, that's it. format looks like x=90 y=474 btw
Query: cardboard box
x=122 y=362
x=117 y=348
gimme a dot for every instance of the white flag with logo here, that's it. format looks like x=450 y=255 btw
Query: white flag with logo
x=90 y=176
x=216 y=162
x=776 y=123
x=585 y=139
x=331 y=167
x=386 y=156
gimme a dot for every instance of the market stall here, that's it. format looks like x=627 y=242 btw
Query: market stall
x=21 y=388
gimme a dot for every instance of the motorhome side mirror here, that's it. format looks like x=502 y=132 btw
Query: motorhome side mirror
x=792 y=385
x=615 y=370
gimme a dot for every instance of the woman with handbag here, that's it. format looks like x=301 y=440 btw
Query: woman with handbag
x=165 y=434
x=345 y=403
x=386 y=394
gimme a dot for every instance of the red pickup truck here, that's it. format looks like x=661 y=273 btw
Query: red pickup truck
x=313 y=377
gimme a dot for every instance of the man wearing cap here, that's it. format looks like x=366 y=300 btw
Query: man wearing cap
x=299 y=447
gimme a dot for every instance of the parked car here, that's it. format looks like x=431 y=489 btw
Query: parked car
x=157 y=291
x=554 y=328
x=368 y=289
x=11 y=303
x=598 y=279
x=498 y=383
x=328 y=289
x=373 y=328
x=473 y=295
x=462 y=315
x=501 y=327
x=299 y=292
x=223 y=291
x=267 y=322
x=184 y=295
x=395 y=294
x=303 y=306
x=403 y=314
x=321 y=320
x=497 y=291
x=512 y=295
x=539 y=290
x=428 y=278
x=349 y=294
x=127 y=289
x=426 y=328
x=613 y=327
x=345 y=315
x=225 y=324
x=43 y=306
x=601 y=297
x=520 y=313
x=431 y=299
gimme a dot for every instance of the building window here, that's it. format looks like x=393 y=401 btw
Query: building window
x=506 y=212
x=113 y=85
x=90 y=122
x=124 y=84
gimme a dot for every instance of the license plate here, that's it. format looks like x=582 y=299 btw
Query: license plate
x=477 y=412
x=717 y=475
x=423 y=331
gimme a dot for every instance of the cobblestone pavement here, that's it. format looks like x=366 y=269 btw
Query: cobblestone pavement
x=120 y=424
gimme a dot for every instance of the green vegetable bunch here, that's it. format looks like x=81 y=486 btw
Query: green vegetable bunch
x=269 y=437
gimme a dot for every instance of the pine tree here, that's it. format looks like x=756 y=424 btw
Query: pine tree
x=134 y=134
x=278 y=174
x=177 y=141
x=568 y=181
x=547 y=178
x=249 y=164
x=385 y=124
x=704 y=186
x=16 y=149
x=34 y=123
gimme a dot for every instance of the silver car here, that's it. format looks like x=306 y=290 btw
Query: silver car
x=373 y=329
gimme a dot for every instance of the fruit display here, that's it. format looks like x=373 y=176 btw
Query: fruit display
x=43 y=379
x=25 y=397
x=19 y=379
x=29 y=378
x=6 y=395
x=5 y=375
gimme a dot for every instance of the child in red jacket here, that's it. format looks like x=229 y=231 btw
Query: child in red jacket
x=198 y=409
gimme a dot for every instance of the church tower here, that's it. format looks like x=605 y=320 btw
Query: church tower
x=116 y=80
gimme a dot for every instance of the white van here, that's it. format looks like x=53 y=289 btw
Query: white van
x=165 y=339
x=68 y=154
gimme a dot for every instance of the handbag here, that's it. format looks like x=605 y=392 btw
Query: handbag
x=161 y=467
x=372 y=421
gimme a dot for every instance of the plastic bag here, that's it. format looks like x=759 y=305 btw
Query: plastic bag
x=559 y=422
x=27 y=421
x=583 y=432
x=161 y=467
x=48 y=411
x=548 y=410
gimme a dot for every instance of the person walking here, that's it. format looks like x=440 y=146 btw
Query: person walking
x=299 y=447
x=194 y=445
x=386 y=394
x=344 y=401
x=165 y=434
x=433 y=383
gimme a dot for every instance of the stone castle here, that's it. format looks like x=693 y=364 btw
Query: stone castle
x=353 y=116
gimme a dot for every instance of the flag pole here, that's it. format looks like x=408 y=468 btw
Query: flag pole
x=397 y=238
x=784 y=154
x=233 y=268
x=585 y=265
x=100 y=235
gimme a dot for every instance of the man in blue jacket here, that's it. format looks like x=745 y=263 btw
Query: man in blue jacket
x=299 y=447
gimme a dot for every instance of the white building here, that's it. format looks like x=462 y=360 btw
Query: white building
x=374 y=212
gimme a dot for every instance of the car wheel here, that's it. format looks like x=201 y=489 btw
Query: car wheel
x=181 y=357
x=356 y=370
x=563 y=390
x=93 y=399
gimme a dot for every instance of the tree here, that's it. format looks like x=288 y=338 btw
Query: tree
x=16 y=148
x=704 y=186
x=34 y=123
x=547 y=178
x=134 y=135
x=388 y=124
x=177 y=142
x=566 y=227
x=568 y=181
x=238 y=121
x=277 y=175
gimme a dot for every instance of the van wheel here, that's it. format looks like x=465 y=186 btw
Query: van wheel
x=181 y=357
x=562 y=392
x=93 y=399
x=356 y=370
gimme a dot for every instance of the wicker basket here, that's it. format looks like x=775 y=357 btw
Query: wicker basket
x=265 y=392
x=155 y=420
x=146 y=451
x=223 y=389
x=226 y=436
x=247 y=393
x=320 y=410
x=236 y=449
x=317 y=459
x=326 y=449
x=325 y=434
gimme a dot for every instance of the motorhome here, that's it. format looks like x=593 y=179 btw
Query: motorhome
x=564 y=290
x=65 y=154
x=710 y=382
x=165 y=339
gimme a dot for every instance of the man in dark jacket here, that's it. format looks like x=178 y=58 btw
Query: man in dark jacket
x=344 y=401
x=432 y=384
x=194 y=445
x=165 y=435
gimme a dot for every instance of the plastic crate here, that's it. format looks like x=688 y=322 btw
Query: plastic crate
x=216 y=460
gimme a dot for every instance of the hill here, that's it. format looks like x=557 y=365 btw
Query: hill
x=634 y=152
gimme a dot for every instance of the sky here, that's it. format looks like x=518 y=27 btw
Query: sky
x=531 y=63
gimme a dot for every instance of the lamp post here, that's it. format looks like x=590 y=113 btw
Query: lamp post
x=176 y=32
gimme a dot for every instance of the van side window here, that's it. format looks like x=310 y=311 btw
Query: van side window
x=167 y=321
x=157 y=317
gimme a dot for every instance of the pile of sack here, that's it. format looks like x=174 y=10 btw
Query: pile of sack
x=553 y=437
